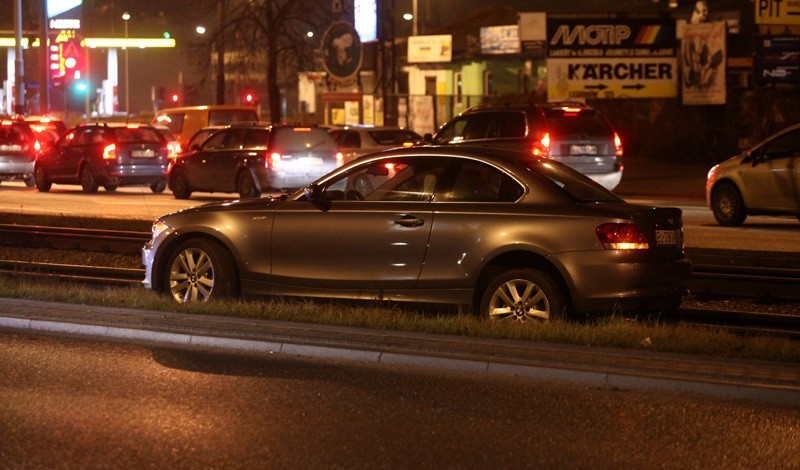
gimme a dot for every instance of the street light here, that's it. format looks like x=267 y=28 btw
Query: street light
x=125 y=17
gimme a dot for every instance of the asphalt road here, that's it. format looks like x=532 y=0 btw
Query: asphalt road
x=701 y=230
x=81 y=404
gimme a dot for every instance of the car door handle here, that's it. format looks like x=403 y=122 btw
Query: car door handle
x=409 y=221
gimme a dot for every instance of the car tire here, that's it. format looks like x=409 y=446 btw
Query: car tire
x=727 y=205
x=88 y=180
x=43 y=184
x=159 y=186
x=180 y=185
x=110 y=188
x=247 y=186
x=199 y=270
x=520 y=295
x=29 y=182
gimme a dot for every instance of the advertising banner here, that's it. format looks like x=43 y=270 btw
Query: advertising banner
x=533 y=33
x=703 y=63
x=500 y=40
x=777 y=59
x=430 y=48
x=601 y=77
x=610 y=35
x=785 y=12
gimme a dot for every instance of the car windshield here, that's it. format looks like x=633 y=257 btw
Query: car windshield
x=579 y=187
x=294 y=139
x=137 y=134
x=394 y=137
x=12 y=136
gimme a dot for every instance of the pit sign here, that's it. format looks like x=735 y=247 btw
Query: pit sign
x=780 y=12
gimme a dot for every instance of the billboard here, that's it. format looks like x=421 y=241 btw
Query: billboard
x=430 y=48
x=500 y=39
x=703 y=63
x=365 y=14
x=781 y=12
x=777 y=59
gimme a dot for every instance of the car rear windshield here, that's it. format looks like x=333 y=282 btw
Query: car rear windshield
x=586 y=122
x=577 y=186
x=137 y=134
x=293 y=139
x=13 y=135
x=219 y=117
x=394 y=137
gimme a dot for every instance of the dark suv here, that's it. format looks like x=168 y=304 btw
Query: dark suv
x=18 y=149
x=572 y=133
x=107 y=154
x=254 y=158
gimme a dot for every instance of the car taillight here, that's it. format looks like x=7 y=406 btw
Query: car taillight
x=617 y=145
x=621 y=236
x=274 y=160
x=542 y=147
x=339 y=159
x=173 y=150
x=37 y=146
x=110 y=152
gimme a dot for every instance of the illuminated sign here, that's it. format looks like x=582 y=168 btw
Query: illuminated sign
x=500 y=40
x=64 y=14
x=610 y=35
x=602 y=77
x=786 y=12
x=365 y=14
x=430 y=48
x=65 y=56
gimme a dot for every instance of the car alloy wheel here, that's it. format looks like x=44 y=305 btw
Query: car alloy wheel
x=246 y=186
x=522 y=295
x=199 y=270
x=40 y=178
x=727 y=205
x=88 y=181
x=180 y=186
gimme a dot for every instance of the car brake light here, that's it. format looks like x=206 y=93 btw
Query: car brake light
x=339 y=159
x=133 y=126
x=110 y=152
x=621 y=236
x=274 y=160
x=542 y=148
x=37 y=146
x=617 y=145
x=173 y=149
x=302 y=129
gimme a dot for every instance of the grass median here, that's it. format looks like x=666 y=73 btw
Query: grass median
x=607 y=331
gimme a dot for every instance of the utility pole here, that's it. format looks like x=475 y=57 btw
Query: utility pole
x=19 y=65
x=220 y=43
x=44 y=52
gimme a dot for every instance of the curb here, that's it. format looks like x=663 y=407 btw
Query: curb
x=462 y=355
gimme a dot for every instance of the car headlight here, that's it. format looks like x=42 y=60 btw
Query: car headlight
x=158 y=227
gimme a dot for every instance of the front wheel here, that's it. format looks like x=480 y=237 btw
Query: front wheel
x=522 y=295
x=180 y=185
x=727 y=205
x=199 y=270
x=43 y=184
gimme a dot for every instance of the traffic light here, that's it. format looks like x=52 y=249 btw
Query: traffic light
x=249 y=98
x=175 y=98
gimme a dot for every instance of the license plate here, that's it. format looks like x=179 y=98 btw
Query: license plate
x=583 y=150
x=309 y=161
x=145 y=153
x=665 y=237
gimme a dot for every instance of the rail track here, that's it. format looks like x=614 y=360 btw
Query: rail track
x=717 y=272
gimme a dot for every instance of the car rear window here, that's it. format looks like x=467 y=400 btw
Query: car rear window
x=219 y=117
x=172 y=120
x=137 y=134
x=577 y=186
x=585 y=122
x=13 y=135
x=293 y=139
x=394 y=137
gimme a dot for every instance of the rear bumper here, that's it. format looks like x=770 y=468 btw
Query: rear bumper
x=10 y=170
x=134 y=174
x=293 y=178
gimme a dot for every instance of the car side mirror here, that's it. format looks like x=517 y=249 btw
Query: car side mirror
x=316 y=195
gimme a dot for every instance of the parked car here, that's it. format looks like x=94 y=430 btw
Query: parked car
x=254 y=158
x=105 y=154
x=764 y=180
x=18 y=150
x=185 y=121
x=571 y=133
x=356 y=141
x=516 y=236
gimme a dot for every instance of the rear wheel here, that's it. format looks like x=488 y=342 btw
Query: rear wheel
x=199 y=270
x=522 y=295
x=159 y=186
x=180 y=186
x=88 y=181
x=727 y=205
x=43 y=184
x=247 y=186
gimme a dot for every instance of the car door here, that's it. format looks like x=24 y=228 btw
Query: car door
x=222 y=164
x=196 y=165
x=67 y=156
x=774 y=182
x=370 y=242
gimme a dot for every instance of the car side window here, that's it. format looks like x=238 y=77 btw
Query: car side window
x=84 y=136
x=234 y=139
x=350 y=140
x=257 y=139
x=215 y=141
x=390 y=180
x=452 y=132
x=478 y=182
x=508 y=125
x=68 y=139
x=784 y=146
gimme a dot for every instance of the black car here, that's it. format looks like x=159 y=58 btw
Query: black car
x=252 y=158
x=108 y=155
x=569 y=132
